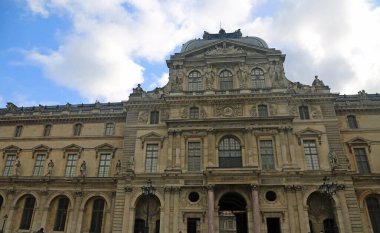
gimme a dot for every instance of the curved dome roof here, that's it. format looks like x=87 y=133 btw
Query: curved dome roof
x=211 y=38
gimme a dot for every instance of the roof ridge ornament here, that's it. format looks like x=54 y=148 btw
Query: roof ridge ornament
x=222 y=35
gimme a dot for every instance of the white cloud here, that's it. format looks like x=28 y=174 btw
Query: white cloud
x=101 y=57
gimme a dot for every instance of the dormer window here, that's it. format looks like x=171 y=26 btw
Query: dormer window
x=225 y=80
x=194 y=81
x=258 y=80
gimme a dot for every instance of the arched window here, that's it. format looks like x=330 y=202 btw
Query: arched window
x=97 y=216
x=258 y=80
x=60 y=218
x=225 y=80
x=110 y=129
x=27 y=213
x=263 y=110
x=373 y=207
x=229 y=153
x=194 y=113
x=194 y=81
x=352 y=123
x=304 y=112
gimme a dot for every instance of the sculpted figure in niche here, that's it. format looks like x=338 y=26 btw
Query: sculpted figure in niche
x=333 y=159
x=242 y=76
x=118 y=167
x=143 y=117
x=50 y=168
x=210 y=78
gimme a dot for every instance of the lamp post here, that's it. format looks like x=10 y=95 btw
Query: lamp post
x=148 y=190
x=330 y=188
x=5 y=219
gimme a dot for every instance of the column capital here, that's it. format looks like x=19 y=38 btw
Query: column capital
x=210 y=187
x=254 y=187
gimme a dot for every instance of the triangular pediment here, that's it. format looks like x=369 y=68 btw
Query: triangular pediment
x=72 y=147
x=105 y=146
x=152 y=137
x=41 y=147
x=225 y=47
x=359 y=142
x=309 y=133
x=11 y=149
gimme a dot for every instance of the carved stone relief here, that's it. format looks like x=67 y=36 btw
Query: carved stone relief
x=253 y=111
x=229 y=110
x=143 y=117
x=217 y=50
x=273 y=109
x=316 y=112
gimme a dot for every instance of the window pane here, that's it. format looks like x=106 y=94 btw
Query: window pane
x=39 y=165
x=266 y=154
x=110 y=129
x=27 y=213
x=311 y=155
x=151 y=158
x=47 y=130
x=225 y=80
x=154 y=117
x=77 y=129
x=263 y=110
x=229 y=153
x=71 y=165
x=194 y=81
x=304 y=112
x=194 y=113
x=60 y=219
x=373 y=207
x=104 y=165
x=9 y=164
x=361 y=160
x=352 y=123
x=258 y=80
x=97 y=216
x=194 y=156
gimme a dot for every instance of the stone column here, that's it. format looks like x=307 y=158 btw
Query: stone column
x=303 y=216
x=169 y=162
x=211 y=208
x=176 y=215
x=78 y=213
x=131 y=219
x=255 y=208
x=166 y=221
x=127 y=205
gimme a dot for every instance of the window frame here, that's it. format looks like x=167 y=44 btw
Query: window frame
x=27 y=213
x=8 y=168
x=363 y=166
x=192 y=156
x=192 y=114
x=314 y=157
x=105 y=160
x=304 y=112
x=194 y=82
x=96 y=215
x=226 y=155
x=61 y=214
x=39 y=164
x=262 y=110
x=71 y=165
x=151 y=155
x=352 y=122
x=109 y=129
x=78 y=127
x=257 y=80
x=266 y=156
x=373 y=220
x=18 y=131
x=154 y=117
x=226 y=80
x=47 y=130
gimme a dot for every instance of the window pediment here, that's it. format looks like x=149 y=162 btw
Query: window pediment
x=73 y=148
x=105 y=148
x=11 y=149
x=41 y=149
x=359 y=141
x=152 y=137
x=309 y=133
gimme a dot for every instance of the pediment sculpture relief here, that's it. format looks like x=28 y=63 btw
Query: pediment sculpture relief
x=218 y=50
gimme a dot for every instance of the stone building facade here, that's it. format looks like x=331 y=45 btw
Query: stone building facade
x=229 y=144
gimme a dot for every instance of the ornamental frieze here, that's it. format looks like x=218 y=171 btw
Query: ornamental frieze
x=229 y=110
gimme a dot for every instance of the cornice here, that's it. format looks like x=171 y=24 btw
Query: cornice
x=51 y=138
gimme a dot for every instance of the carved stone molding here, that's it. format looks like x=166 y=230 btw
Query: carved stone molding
x=128 y=189
x=293 y=188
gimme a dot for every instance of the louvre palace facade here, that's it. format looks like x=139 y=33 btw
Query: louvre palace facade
x=229 y=144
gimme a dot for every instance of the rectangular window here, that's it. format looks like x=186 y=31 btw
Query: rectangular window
x=311 y=154
x=39 y=165
x=304 y=112
x=110 y=128
x=263 y=110
x=266 y=154
x=47 y=130
x=71 y=165
x=352 y=123
x=361 y=160
x=104 y=165
x=194 y=156
x=154 y=117
x=9 y=164
x=151 y=158
x=77 y=129
x=18 y=131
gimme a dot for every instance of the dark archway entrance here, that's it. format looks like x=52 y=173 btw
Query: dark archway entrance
x=321 y=210
x=153 y=215
x=232 y=213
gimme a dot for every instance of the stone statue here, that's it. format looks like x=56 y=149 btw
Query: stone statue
x=83 y=168
x=118 y=167
x=210 y=78
x=50 y=167
x=317 y=82
x=333 y=159
x=18 y=167
x=242 y=76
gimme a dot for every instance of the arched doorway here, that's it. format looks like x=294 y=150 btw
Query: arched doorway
x=153 y=214
x=232 y=213
x=373 y=208
x=322 y=214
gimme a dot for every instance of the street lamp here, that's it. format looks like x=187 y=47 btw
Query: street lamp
x=330 y=188
x=5 y=219
x=148 y=190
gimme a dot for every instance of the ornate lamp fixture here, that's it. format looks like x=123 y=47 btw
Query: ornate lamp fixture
x=330 y=188
x=148 y=190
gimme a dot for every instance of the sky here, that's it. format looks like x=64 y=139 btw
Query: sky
x=81 y=51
